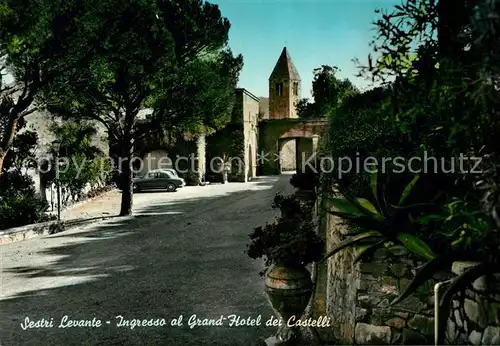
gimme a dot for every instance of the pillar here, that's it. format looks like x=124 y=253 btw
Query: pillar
x=304 y=152
x=315 y=143
x=201 y=156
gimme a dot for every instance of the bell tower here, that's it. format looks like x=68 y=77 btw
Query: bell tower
x=284 y=88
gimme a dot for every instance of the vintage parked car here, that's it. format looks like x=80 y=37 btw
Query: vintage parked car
x=158 y=179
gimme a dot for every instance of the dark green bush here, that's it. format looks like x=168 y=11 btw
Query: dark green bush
x=290 y=240
x=192 y=178
x=19 y=203
x=305 y=181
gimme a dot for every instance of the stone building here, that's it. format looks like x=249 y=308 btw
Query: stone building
x=266 y=132
x=284 y=88
x=265 y=125
x=286 y=140
x=237 y=142
x=265 y=135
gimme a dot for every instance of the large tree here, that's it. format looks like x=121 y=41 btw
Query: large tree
x=328 y=91
x=38 y=41
x=169 y=55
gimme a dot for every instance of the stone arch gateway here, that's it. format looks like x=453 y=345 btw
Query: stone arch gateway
x=274 y=133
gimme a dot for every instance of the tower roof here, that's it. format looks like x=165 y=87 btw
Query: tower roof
x=284 y=67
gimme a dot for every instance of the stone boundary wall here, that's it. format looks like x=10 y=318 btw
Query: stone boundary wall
x=46 y=228
x=357 y=295
x=475 y=315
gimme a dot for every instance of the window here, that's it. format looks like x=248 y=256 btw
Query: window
x=296 y=89
x=151 y=175
x=279 y=89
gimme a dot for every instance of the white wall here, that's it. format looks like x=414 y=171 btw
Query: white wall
x=156 y=159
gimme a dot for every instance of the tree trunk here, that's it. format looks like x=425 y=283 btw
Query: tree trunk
x=2 y=158
x=126 y=179
x=126 y=166
x=6 y=142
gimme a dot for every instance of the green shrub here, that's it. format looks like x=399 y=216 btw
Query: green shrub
x=305 y=181
x=19 y=203
x=84 y=163
x=192 y=178
x=290 y=240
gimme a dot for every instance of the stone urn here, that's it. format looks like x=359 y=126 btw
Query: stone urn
x=226 y=168
x=305 y=195
x=289 y=289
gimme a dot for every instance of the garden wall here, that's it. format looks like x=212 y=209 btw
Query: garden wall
x=357 y=296
x=475 y=316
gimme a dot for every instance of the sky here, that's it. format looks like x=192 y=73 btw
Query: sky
x=315 y=32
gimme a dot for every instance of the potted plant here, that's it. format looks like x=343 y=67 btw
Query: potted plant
x=288 y=246
x=305 y=183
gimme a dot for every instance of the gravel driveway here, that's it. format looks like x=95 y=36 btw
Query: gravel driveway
x=182 y=254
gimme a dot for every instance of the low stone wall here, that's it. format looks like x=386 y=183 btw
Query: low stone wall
x=475 y=315
x=410 y=322
x=358 y=295
x=27 y=232
x=45 y=228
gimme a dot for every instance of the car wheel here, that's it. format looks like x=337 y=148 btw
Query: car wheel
x=171 y=187
x=136 y=188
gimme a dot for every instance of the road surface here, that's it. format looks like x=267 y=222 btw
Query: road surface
x=182 y=254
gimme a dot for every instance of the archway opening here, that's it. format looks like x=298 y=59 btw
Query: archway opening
x=287 y=155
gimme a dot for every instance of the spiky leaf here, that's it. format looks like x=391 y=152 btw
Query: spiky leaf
x=345 y=206
x=367 y=205
x=423 y=275
x=416 y=245
x=360 y=238
x=408 y=190
x=367 y=250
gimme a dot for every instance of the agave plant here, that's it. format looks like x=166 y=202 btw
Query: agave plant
x=470 y=233
x=383 y=223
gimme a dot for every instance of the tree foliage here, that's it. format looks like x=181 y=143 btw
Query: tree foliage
x=39 y=41
x=19 y=203
x=81 y=163
x=439 y=65
x=170 y=56
x=328 y=91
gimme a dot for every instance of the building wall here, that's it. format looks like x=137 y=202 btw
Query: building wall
x=264 y=107
x=283 y=106
x=156 y=159
x=273 y=132
x=250 y=129
x=279 y=106
x=288 y=155
x=294 y=99
x=474 y=317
